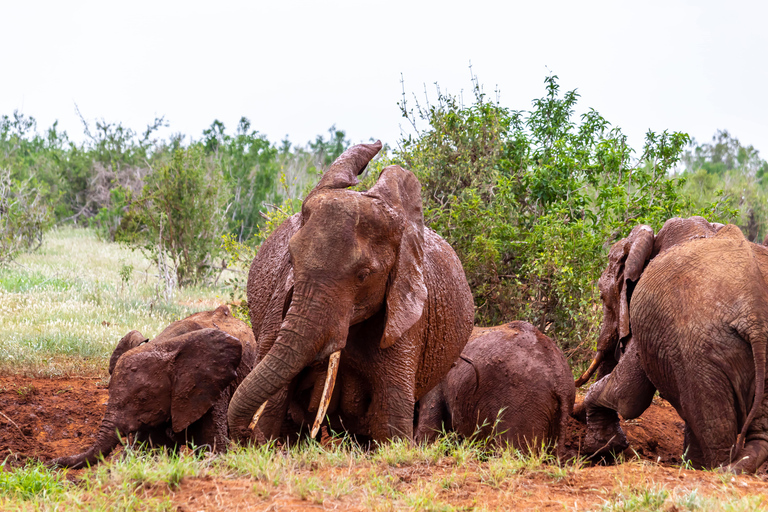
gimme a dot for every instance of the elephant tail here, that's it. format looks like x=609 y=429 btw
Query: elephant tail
x=756 y=332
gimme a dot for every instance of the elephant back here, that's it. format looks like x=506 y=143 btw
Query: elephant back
x=268 y=283
x=523 y=381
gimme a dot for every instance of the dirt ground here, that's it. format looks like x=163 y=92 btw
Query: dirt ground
x=46 y=418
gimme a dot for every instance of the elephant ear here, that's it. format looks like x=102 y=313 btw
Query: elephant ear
x=131 y=340
x=205 y=363
x=638 y=252
x=407 y=292
x=344 y=170
x=626 y=261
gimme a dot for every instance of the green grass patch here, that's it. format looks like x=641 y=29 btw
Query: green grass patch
x=64 y=307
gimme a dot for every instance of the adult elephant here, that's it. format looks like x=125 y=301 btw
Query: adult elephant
x=174 y=389
x=626 y=261
x=355 y=274
x=490 y=392
x=699 y=329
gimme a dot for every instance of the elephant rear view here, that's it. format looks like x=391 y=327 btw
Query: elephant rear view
x=512 y=373
x=698 y=319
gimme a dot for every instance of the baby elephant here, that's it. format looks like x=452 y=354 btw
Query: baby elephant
x=511 y=372
x=174 y=389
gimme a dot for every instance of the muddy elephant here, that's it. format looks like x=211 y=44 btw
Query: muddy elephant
x=355 y=281
x=626 y=261
x=695 y=328
x=175 y=389
x=512 y=373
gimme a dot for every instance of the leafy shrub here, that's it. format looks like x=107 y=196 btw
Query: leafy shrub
x=181 y=212
x=532 y=200
x=24 y=215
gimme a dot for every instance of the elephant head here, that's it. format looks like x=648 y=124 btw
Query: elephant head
x=131 y=340
x=171 y=381
x=626 y=261
x=354 y=255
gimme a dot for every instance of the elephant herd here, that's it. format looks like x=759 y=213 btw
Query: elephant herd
x=361 y=321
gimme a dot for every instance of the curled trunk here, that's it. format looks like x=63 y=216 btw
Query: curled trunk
x=106 y=440
x=291 y=352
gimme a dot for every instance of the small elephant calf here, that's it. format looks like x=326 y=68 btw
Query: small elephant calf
x=512 y=372
x=174 y=389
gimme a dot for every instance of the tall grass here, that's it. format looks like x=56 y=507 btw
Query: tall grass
x=64 y=307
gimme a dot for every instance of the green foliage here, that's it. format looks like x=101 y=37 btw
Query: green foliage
x=180 y=212
x=24 y=215
x=531 y=200
x=250 y=163
x=734 y=174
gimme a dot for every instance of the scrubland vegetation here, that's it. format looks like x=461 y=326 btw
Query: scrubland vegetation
x=129 y=231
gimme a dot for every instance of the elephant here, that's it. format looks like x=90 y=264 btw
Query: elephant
x=512 y=372
x=354 y=281
x=626 y=261
x=173 y=390
x=692 y=324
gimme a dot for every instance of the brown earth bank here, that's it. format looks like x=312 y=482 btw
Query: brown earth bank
x=47 y=418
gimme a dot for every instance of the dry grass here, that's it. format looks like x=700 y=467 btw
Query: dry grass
x=64 y=307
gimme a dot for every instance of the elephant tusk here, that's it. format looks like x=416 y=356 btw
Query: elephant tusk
x=256 y=416
x=325 y=399
x=592 y=367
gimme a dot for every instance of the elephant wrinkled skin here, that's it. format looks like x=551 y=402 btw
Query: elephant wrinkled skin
x=355 y=272
x=174 y=389
x=692 y=323
x=512 y=373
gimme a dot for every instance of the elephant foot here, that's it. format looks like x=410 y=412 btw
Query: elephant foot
x=750 y=459
x=606 y=442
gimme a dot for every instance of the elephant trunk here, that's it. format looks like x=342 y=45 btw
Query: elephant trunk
x=106 y=440
x=299 y=341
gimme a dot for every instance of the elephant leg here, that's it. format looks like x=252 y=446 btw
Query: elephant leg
x=754 y=454
x=274 y=415
x=433 y=415
x=211 y=429
x=626 y=391
x=391 y=412
x=692 y=449
x=716 y=433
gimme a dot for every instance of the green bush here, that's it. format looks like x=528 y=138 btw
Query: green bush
x=532 y=200
x=24 y=216
x=181 y=213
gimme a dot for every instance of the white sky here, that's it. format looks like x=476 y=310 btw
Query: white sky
x=296 y=68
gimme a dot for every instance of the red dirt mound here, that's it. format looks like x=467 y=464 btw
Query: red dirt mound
x=656 y=435
x=47 y=418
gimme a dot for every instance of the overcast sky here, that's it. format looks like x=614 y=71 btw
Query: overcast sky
x=296 y=68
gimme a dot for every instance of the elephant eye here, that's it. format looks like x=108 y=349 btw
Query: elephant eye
x=363 y=274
